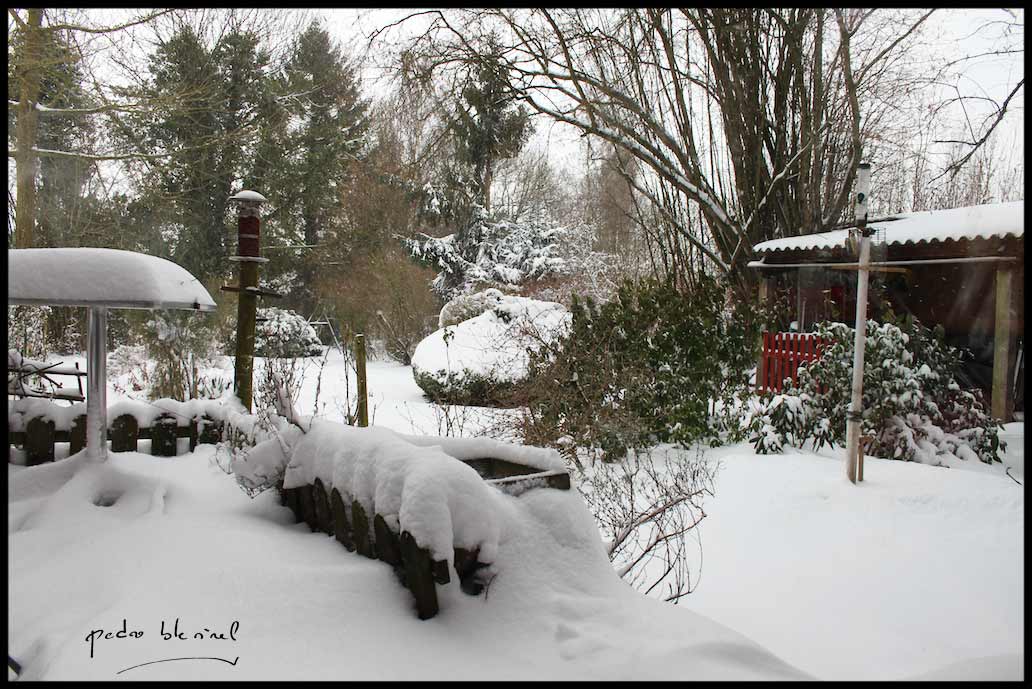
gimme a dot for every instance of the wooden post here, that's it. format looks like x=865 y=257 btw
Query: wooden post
x=419 y=577
x=360 y=532
x=308 y=506
x=208 y=430
x=387 y=547
x=341 y=528
x=1003 y=344
x=766 y=296
x=39 y=441
x=248 y=227
x=323 y=516
x=77 y=438
x=163 y=436
x=360 y=367
x=125 y=433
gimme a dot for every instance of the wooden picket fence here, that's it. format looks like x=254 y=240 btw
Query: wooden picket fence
x=783 y=354
x=39 y=437
x=344 y=518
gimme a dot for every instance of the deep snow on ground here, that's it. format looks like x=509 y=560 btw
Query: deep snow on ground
x=916 y=573
x=150 y=540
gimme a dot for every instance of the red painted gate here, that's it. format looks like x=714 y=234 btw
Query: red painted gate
x=781 y=357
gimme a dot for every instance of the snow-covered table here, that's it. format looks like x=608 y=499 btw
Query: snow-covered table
x=100 y=279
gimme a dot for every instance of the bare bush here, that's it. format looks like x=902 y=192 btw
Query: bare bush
x=647 y=512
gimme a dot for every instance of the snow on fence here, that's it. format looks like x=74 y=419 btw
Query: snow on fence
x=782 y=355
x=37 y=425
x=423 y=505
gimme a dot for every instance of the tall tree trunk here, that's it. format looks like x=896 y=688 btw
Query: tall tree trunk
x=27 y=162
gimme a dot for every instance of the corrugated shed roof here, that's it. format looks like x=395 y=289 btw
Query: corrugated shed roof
x=993 y=220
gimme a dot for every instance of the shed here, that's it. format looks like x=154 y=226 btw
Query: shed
x=961 y=268
x=100 y=279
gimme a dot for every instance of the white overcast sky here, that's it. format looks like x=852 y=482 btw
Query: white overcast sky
x=956 y=32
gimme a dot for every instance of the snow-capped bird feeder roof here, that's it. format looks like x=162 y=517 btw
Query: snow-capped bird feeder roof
x=248 y=195
x=987 y=221
x=109 y=278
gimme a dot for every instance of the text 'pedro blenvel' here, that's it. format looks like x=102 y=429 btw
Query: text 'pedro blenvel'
x=168 y=632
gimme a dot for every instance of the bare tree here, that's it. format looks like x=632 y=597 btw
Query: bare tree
x=28 y=74
x=752 y=119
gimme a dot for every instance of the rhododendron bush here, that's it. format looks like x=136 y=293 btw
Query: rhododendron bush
x=913 y=407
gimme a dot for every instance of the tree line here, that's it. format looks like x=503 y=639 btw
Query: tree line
x=705 y=132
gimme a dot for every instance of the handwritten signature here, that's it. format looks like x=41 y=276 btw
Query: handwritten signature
x=169 y=632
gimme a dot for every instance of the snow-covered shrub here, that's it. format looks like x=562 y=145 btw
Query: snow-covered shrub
x=480 y=360
x=179 y=344
x=284 y=334
x=36 y=331
x=641 y=369
x=913 y=408
x=503 y=253
x=466 y=306
x=26 y=330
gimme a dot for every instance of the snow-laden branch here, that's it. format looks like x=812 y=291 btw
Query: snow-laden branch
x=49 y=153
x=113 y=107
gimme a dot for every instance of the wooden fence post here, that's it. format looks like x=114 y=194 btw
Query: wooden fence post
x=125 y=433
x=39 y=441
x=419 y=575
x=292 y=499
x=208 y=430
x=77 y=438
x=386 y=542
x=163 y=436
x=307 y=501
x=360 y=532
x=323 y=517
x=360 y=374
x=341 y=528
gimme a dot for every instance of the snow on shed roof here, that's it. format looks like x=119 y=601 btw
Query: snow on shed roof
x=971 y=222
x=101 y=277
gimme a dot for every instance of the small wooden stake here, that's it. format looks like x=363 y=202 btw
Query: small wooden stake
x=360 y=367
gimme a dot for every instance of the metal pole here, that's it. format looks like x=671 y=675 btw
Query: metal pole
x=855 y=414
x=96 y=381
x=248 y=238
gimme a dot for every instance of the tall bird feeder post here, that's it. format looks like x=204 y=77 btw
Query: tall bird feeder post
x=248 y=243
x=862 y=235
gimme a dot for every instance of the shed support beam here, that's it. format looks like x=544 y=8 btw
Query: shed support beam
x=96 y=381
x=766 y=299
x=1003 y=344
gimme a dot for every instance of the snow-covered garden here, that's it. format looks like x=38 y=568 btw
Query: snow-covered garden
x=916 y=572
x=516 y=343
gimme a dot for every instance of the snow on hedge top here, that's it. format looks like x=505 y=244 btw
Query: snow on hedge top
x=102 y=277
x=442 y=502
x=493 y=344
x=971 y=222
